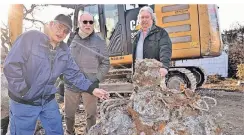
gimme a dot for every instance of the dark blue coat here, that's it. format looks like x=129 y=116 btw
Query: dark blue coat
x=31 y=72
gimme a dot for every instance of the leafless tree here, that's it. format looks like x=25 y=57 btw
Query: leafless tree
x=234 y=37
x=28 y=16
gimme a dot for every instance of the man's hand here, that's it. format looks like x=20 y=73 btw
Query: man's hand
x=100 y=93
x=163 y=72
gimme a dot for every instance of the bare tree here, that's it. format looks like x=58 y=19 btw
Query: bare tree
x=29 y=13
x=235 y=40
x=28 y=16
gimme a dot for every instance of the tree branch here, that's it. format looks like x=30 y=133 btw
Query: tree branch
x=34 y=20
x=26 y=28
x=33 y=7
x=26 y=12
x=28 y=15
x=5 y=38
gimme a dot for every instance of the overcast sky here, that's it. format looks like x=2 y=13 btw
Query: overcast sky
x=229 y=14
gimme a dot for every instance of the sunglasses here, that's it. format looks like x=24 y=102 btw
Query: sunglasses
x=85 y=22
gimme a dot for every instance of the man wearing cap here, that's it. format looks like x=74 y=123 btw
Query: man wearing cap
x=91 y=55
x=32 y=66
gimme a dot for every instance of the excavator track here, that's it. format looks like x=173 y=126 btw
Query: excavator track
x=192 y=83
x=205 y=77
x=119 y=73
x=200 y=75
x=118 y=82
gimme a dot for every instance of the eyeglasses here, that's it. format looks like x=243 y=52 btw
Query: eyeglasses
x=66 y=31
x=63 y=28
x=85 y=22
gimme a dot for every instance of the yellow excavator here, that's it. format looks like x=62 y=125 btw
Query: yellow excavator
x=193 y=29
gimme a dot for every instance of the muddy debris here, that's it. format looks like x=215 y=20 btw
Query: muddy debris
x=214 y=79
x=154 y=109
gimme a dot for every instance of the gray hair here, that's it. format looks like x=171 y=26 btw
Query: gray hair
x=150 y=10
x=85 y=12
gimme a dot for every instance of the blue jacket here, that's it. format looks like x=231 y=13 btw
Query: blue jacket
x=31 y=72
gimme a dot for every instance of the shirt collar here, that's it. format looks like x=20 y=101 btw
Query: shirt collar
x=59 y=45
x=47 y=43
x=148 y=30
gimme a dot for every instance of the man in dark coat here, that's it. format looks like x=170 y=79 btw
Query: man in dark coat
x=151 y=41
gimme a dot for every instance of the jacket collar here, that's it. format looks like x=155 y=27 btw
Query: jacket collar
x=61 y=45
x=77 y=35
x=152 y=29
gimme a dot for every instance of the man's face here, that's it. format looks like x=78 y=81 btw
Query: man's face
x=86 y=23
x=146 y=20
x=58 y=31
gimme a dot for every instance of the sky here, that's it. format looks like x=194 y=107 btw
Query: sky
x=229 y=14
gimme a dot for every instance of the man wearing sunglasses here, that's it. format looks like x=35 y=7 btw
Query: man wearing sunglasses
x=90 y=53
x=32 y=66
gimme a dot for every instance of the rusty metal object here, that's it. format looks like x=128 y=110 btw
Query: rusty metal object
x=153 y=109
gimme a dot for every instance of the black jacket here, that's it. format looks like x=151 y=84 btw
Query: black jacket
x=157 y=45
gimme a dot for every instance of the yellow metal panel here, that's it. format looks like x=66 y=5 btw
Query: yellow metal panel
x=210 y=38
x=179 y=34
x=204 y=29
x=187 y=49
x=216 y=46
x=172 y=23
x=120 y=60
x=185 y=46
x=185 y=53
x=15 y=21
x=172 y=13
x=216 y=40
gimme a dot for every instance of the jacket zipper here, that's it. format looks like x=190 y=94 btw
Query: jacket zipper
x=51 y=60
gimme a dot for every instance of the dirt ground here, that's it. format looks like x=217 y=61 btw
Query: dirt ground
x=218 y=83
x=229 y=111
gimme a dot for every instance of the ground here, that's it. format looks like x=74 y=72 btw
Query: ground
x=229 y=110
x=218 y=83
